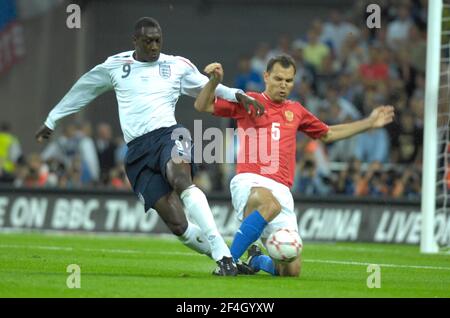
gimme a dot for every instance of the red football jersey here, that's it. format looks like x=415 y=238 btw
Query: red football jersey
x=267 y=144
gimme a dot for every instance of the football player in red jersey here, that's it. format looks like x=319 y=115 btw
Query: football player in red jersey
x=261 y=189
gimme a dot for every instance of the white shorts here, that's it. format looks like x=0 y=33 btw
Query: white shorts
x=240 y=187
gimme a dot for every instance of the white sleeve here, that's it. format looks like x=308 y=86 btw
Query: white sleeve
x=86 y=89
x=193 y=81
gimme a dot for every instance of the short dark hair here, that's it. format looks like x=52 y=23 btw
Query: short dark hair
x=145 y=22
x=284 y=60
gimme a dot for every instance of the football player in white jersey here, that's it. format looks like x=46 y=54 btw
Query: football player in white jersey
x=147 y=84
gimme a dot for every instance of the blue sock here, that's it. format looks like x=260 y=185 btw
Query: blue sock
x=250 y=230
x=265 y=263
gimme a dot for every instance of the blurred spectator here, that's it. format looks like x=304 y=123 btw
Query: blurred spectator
x=56 y=170
x=408 y=186
x=416 y=105
x=380 y=39
x=373 y=145
x=342 y=150
x=419 y=91
x=259 y=60
x=305 y=72
x=10 y=150
x=398 y=30
x=350 y=88
x=316 y=150
x=72 y=178
x=247 y=79
x=314 y=51
x=376 y=68
x=352 y=54
x=380 y=184
x=349 y=178
x=106 y=149
x=369 y=184
x=419 y=12
x=309 y=181
x=118 y=178
x=405 y=71
x=34 y=173
x=90 y=167
x=63 y=148
x=5 y=177
x=305 y=96
x=336 y=30
x=408 y=139
x=328 y=74
x=345 y=109
x=121 y=151
x=417 y=47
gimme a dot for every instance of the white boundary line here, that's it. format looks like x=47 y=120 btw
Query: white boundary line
x=128 y=251
x=381 y=265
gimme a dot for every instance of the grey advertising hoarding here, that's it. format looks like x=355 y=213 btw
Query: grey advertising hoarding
x=320 y=219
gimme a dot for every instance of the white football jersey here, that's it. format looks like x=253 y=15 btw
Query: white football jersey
x=146 y=92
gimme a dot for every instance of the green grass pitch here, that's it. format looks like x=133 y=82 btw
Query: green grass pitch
x=34 y=265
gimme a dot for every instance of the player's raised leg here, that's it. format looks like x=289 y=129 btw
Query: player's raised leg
x=171 y=212
x=197 y=207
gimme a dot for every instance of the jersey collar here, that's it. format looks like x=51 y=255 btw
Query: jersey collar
x=136 y=61
x=271 y=101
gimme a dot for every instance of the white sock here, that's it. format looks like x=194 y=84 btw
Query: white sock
x=194 y=239
x=197 y=207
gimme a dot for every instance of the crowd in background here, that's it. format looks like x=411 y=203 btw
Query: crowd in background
x=76 y=158
x=344 y=70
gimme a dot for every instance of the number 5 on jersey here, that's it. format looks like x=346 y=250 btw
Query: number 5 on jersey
x=276 y=131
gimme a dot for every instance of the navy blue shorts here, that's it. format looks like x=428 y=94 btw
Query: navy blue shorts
x=146 y=160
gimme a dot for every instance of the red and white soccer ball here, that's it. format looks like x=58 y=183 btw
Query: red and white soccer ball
x=284 y=245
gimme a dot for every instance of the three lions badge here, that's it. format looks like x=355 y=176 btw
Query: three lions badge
x=164 y=71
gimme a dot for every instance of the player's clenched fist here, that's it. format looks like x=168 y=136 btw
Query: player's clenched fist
x=215 y=71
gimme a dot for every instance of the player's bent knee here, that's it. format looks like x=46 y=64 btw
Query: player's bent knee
x=274 y=206
x=263 y=200
x=178 y=176
x=177 y=228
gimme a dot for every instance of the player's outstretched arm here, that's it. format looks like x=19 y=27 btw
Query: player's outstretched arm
x=205 y=99
x=86 y=89
x=380 y=117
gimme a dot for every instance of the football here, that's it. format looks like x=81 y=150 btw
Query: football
x=284 y=245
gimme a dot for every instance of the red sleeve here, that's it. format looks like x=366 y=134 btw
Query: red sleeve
x=224 y=108
x=311 y=125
